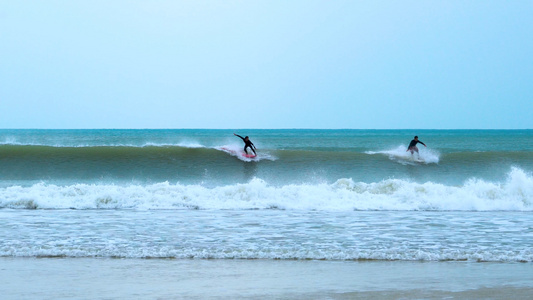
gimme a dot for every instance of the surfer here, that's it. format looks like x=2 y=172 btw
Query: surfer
x=247 y=143
x=412 y=145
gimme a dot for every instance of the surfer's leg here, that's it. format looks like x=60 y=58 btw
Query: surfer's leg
x=417 y=153
x=245 y=151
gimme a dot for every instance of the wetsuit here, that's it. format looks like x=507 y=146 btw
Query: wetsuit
x=247 y=143
x=412 y=146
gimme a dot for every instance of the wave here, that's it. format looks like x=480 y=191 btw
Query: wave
x=90 y=152
x=514 y=194
x=8 y=142
x=398 y=154
x=278 y=253
x=238 y=152
x=488 y=156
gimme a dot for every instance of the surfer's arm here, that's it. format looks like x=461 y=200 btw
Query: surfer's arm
x=422 y=143
x=238 y=136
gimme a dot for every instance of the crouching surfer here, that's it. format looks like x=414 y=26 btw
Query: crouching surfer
x=247 y=143
x=412 y=146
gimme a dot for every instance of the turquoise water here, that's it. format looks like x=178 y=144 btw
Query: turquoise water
x=285 y=156
x=309 y=194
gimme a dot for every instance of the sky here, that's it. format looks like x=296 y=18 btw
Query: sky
x=266 y=64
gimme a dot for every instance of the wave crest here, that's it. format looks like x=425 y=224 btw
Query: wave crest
x=398 y=154
x=515 y=194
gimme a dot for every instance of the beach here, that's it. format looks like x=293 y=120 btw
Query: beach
x=106 y=278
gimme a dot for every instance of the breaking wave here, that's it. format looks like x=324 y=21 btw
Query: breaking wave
x=513 y=194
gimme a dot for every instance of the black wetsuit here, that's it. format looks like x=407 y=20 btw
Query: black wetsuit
x=412 y=145
x=247 y=143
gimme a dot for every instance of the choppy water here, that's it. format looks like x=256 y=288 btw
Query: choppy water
x=310 y=194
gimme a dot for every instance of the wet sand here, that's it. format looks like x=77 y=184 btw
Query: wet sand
x=104 y=278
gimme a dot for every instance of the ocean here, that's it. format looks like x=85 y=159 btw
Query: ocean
x=329 y=200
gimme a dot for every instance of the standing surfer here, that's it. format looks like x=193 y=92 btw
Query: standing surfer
x=247 y=143
x=412 y=146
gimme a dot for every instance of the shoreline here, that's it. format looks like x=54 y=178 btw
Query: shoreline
x=110 y=278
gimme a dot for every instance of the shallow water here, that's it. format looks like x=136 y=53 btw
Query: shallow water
x=269 y=234
x=93 y=278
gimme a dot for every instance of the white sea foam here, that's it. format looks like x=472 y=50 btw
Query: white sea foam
x=237 y=151
x=399 y=154
x=182 y=144
x=9 y=140
x=515 y=194
x=69 y=144
x=281 y=253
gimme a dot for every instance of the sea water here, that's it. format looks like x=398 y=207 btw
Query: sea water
x=325 y=195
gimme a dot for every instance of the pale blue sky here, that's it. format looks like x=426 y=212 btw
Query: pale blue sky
x=266 y=64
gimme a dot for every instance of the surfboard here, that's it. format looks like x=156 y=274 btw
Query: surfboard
x=248 y=155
